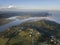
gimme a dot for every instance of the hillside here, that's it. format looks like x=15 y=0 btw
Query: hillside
x=7 y=14
x=22 y=34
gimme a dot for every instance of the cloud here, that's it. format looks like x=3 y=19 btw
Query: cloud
x=28 y=8
x=7 y=7
x=11 y=6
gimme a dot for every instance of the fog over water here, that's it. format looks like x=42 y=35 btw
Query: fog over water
x=54 y=17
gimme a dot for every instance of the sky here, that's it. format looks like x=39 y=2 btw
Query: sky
x=30 y=4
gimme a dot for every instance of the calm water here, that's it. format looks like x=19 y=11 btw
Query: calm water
x=13 y=23
x=55 y=17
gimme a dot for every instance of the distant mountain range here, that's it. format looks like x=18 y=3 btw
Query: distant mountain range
x=32 y=14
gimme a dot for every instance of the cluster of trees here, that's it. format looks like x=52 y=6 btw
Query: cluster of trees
x=22 y=34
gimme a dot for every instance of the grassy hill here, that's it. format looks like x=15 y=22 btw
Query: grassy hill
x=22 y=34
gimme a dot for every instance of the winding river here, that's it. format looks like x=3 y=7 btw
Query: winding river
x=54 y=17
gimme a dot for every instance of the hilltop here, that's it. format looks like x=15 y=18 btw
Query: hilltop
x=22 y=34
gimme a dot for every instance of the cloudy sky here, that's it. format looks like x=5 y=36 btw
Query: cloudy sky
x=30 y=4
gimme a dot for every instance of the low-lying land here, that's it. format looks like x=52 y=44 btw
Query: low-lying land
x=4 y=21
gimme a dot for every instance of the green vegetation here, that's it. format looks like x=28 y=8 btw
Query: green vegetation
x=23 y=34
x=19 y=37
x=4 y=21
